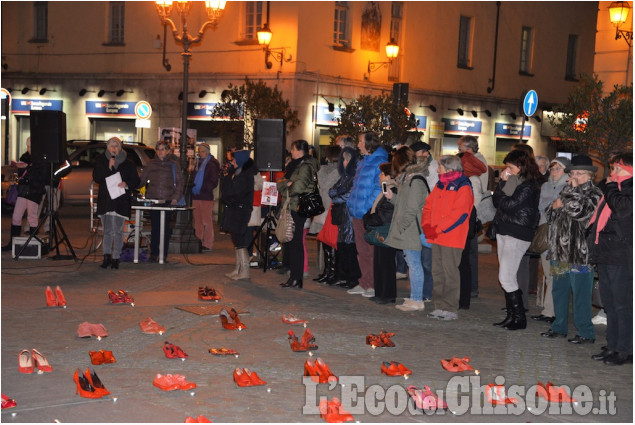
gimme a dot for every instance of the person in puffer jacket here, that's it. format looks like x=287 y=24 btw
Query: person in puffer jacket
x=516 y=200
x=445 y=222
x=365 y=190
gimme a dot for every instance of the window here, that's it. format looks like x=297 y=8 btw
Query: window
x=40 y=21
x=396 y=15
x=340 y=25
x=526 y=46
x=464 y=59
x=116 y=23
x=572 y=58
x=253 y=20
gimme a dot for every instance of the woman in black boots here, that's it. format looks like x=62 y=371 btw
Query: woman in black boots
x=113 y=212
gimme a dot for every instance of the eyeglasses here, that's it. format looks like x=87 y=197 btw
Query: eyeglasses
x=556 y=168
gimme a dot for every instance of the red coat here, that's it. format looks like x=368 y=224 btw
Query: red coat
x=446 y=213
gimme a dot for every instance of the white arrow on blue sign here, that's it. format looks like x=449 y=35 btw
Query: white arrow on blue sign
x=530 y=103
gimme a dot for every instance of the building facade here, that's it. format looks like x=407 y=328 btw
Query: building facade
x=467 y=65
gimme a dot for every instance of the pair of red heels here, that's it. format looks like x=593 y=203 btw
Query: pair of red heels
x=247 y=378
x=225 y=318
x=89 y=385
x=332 y=411
x=425 y=399
x=395 y=369
x=381 y=340
x=292 y=320
x=198 y=419
x=553 y=393
x=173 y=351
x=151 y=327
x=101 y=357
x=120 y=297
x=8 y=403
x=29 y=360
x=319 y=371
x=456 y=364
x=496 y=394
x=306 y=344
x=55 y=299
x=172 y=382
x=207 y=294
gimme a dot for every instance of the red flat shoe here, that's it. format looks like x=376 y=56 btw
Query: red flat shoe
x=25 y=362
x=385 y=338
x=151 y=327
x=390 y=369
x=403 y=369
x=50 y=297
x=241 y=379
x=165 y=382
x=222 y=351
x=41 y=362
x=254 y=378
x=224 y=318
x=96 y=357
x=109 y=357
x=292 y=320
x=84 y=388
x=203 y=419
x=234 y=315
x=190 y=420
x=426 y=399
x=182 y=383
x=173 y=351
x=202 y=294
x=8 y=403
x=114 y=298
x=553 y=393
x=125 y=296
x=94 y=380
x=61 y=301
x=332 y=411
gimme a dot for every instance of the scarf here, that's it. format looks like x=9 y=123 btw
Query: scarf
x=291 y=166
x=198 y=180
x=450 y=176
x=119 y=159
x=512 y=183
x=604 y=209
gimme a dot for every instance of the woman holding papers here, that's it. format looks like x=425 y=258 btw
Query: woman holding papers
x=115 y=175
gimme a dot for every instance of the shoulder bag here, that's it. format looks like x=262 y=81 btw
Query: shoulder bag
x=540 y=241
x=285 y=227
x=310 y=204
x=376 y=235
x=328 y=234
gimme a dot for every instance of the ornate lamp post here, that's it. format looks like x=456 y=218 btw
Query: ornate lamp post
x=215 y=11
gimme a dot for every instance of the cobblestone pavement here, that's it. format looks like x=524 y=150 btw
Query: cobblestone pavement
x=340 y=323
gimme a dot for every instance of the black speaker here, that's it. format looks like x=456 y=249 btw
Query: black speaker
x=48 y=136
x=270 y=135
x=400 y=93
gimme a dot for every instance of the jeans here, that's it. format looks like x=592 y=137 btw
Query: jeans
x=113 y=234
x=510 y=251
x=581 y=284
x=426 y=263
x=616 y=291
x=413 y=258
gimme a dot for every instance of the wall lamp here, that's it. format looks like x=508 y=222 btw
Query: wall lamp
x=618 y=13
x=458 y=110
x=331 y=105
x=82 y=92
x=181 y=94
x=511 y=114
x=537 y=118
x=122 y=91
x=474 y=114
x=392 y=50
x=102 y=92
x=342 y=101
x=486 y=112
x=264 y=38
x=26 y=90
x=44 y=90
x=432 y=107
x=204 y=93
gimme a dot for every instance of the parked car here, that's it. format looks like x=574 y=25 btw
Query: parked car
x=82 y=154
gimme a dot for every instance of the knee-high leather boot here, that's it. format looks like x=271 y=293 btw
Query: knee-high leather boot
x=519 y=320
x=508 y=302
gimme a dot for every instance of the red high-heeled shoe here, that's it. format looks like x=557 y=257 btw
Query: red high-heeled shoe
x=165 y=382
x=234 y=315
x=94 y=380
x=84 y=388
x=25 y=362
x=553 y=393
x=114 y=298
x=495 y=394
x=426 y=399
x=390 y=369
x=203 y=419
x=254 y=378
x=332 y=411
x=326 y=374
x=61 y=301
x=173 y=351
x=224 y=318
x=310 y=369
x=8 y=403
x=385 y=338
x=308 y=341
x=403 y=369
x=241 y=379
x=50 y=297
x=293 y=342
x=126 y=297
x=41 y=362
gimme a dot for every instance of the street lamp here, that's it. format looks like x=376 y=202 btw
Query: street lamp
x=392 y=50
x=215 y=11
x=618 y=13
x=264 y=38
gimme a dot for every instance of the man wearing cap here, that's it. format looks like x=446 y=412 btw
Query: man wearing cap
x=422 y=152
x=549 y=192
x=205 y=182
x=569 y=216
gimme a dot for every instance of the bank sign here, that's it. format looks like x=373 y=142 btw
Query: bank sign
x=202 y=111
x=507 y=130
x=25 y=106
x=101 y=109
x=454 y=126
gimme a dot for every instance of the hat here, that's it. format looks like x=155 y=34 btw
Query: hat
x=204 y=145
x=581 y=162
x=420 y=146
x=114 y=140
x=241 y=157
x=562 y=160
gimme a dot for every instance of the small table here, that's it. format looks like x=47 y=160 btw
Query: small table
x=163 y=209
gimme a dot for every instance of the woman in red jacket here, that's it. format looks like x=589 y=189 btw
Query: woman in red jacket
x=445 y=223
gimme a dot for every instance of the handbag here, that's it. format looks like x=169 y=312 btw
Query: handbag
x=181 y=202
x=485 y=210
x=12 y=194
x=310 y=204
x=491 y=230
x=540 y=241
x=596 y=300
x=376 y=235
x=285 y=227
x=328 y=234
x=338 y=213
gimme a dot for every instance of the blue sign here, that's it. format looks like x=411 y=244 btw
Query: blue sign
x=98 y=108
x=454 y=126
x=203 y=112
x=506 y=130
x=423 y=123
x=530 y=103
x=325 y=117
x=25 y=106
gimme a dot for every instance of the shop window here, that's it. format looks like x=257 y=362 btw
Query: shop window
x=464 y=59
x=450 y=145
x=40 y=22
x=396 y=17
x=116 y=23
x=526 y=51
x=503 y=147
x=341 y=36
x=572 y=58
x=253 y=20
x=104 y=129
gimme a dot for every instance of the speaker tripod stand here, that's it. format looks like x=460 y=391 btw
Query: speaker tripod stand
x=267 y=228
x=57 y=235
